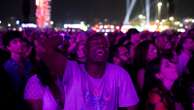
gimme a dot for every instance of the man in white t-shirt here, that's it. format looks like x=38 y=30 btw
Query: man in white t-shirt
x=98 y=85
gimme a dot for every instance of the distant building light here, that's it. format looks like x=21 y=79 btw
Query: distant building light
x=103 y=30
x=177 y=23
x=17 y=22
x=181 y=25
x=101 y=26
x=181 y=30
x=186 y=20
x=14 y=29
x=105 y=34
x=141 y=16
x=192 y=20
x=157 y=21
x=0 y=21
x=20 y=29
x=159 y=4
x=107 y=30
x=77 y=26
x=171 y=18
x=9 y=25
x=29 y=25
x=125 y=28
x=117 y=27
x=51 y=22
x=105 y=26
x=112 y=26
x=112 y=30
x=163 y=20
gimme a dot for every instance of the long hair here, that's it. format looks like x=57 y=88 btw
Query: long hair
x=141 y=51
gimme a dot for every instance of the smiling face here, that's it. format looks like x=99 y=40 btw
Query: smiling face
x=97 y=49
x=123 y=54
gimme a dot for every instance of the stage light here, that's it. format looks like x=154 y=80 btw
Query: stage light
x=171 y=18
x=9 y=25
x=20 y=29
x=159 y=4
x=51 y=22
x=17 y=22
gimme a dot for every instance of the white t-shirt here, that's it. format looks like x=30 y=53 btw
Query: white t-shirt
x=83 y=92
x=34 y=90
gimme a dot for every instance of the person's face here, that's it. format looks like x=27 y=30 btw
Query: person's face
x=97 y=50
x=188 y=44
x=80 y=53
x=123 y=54
x=135 y=39
x=39 y=48
x=16 y=46
x=81 y=38
x=168 y=70
x=152 y=52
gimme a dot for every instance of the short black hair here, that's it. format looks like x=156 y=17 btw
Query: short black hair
x=11 y=35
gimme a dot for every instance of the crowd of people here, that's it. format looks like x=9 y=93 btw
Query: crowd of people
x=57 y=70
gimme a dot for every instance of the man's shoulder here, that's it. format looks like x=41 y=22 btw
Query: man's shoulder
x=116 y=69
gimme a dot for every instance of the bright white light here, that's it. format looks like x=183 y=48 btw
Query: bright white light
x=20 y=29
x=157 y=21
x=107 y=30
x=171 y=18
x=103 y=30
x=117 y=27
x=177 y=23
x=101 y=26
x=9 y=25
x=82 y=22
x=14 y=29
x=78 y=26
x=186 y=20
x=17 y=22
x=0 y=21
x=105 y=26
x=29 y=25
x=112 y=30
x=97 y=30
x=159 y=4
x=181 y=30
x=51 y=22
x=129 y=8
x=105 y=34
x=112 y=26
x=141 y=16
x=125 y=28
x=163 y=20
x=181 y=25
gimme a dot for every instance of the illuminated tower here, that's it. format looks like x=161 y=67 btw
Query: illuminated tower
x=43 y=13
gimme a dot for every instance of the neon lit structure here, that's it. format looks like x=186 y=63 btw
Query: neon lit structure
x=43 y=13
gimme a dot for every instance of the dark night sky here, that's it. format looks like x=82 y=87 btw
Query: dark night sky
x=88 y=10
